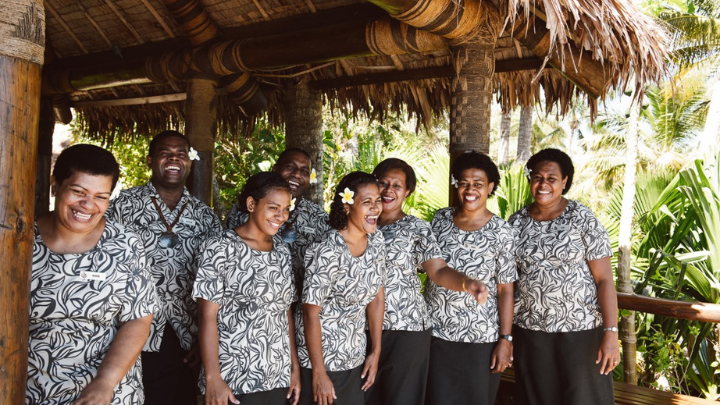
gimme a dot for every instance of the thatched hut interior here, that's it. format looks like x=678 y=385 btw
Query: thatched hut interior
x=146 y=65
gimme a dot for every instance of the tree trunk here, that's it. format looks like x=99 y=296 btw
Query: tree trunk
x=303 y=129
x=22 y=28
x=200 y=129
x=524 y=134
x=504 y=149
x=471 y=99
x=627 y=322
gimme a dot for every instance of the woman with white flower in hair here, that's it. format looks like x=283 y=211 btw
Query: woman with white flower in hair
x=342 y=294
x=472 y=343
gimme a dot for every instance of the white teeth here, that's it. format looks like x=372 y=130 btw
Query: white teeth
x=388 y=199
x=543 y=192
x=275 y=225
x=471 y=198
x=173 y=168
x=292 y=183
x=81 y=216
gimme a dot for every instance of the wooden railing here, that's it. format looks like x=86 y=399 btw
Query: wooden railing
x=694 y=311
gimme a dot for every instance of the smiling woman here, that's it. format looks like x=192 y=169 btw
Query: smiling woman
x=79 y=353
x=343 y=293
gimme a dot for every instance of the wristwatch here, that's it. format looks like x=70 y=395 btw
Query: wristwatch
x=611 y=329
x=509 y=338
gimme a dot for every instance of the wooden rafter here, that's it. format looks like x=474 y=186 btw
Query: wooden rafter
x=311 y=6
x=262 y=11
x=67 y=29
x=125 y=22
x=158 y=18
x=94 y=24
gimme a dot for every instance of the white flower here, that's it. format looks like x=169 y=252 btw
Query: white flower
x=453 y=181
x=292 y=204
x=527 y=172
x=313 y=177
x=193 y=154
x=347 y=196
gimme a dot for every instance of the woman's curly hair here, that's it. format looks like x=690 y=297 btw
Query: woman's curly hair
x=399 y=164
x=353 y=181
x=259 y=185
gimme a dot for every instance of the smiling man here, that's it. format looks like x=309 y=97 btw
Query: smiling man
x=171 y=224
x=308 y=222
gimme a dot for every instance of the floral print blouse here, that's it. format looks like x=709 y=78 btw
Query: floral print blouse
x=254 y=290
x=77 y=302
x=409 y=242
x=556 y=291
x=343 y=286
x=488 y=255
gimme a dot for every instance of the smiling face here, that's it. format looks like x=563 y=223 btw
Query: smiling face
x=270 y=212
x=393 y=190
x=547 y=183
x=366 y=208
x=170 y=165
x=473 y=189
x=81 y=201
x=295 y=168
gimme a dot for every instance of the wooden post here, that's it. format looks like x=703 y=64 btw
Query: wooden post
x=303 y=129
x=470 y=100
x=200 y=129
x=22 y=39
x=44 y=157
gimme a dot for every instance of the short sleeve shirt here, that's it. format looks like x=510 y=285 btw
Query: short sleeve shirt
x=409 y=242
x=76 y=304
x=488 y=255
x=309 y=224
x=254 y=290
x=173 y=269
x=343 y=286
x=556 y=291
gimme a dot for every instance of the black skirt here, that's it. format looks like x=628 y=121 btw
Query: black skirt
x=277 y=396
x=403 y=368
x=460 y=374
x=559 y=368
x=347 y=384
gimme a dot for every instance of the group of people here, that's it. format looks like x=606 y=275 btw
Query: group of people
x=144 y=298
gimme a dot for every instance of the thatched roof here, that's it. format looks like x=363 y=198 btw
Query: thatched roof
x=627 y=47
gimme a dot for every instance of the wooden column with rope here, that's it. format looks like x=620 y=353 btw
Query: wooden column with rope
x=200 y=129
x=303 y=129
x=22 y=40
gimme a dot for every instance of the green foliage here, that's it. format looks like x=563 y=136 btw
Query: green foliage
x=513 y=192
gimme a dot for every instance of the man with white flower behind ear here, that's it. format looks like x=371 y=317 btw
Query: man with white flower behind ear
x=171 y=224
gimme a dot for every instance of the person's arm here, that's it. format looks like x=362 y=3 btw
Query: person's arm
x=217 y=392
x=609 y=351
x=323 y=388
x=503 y=353
x=124 y=351
x=375 y=313
x=293 y=394
x=443 y=275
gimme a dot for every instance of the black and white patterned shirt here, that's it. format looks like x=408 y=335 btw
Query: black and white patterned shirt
x=310 y=224
x=254 y=290
x=488 y=255
x=409 y=242
x=343 y=286
x=76 y=304
x=172 y=268
x=556 y=291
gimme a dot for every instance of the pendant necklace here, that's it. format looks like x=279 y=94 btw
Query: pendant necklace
x=168 y=239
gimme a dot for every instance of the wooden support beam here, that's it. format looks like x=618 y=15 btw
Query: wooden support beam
x=22 y=40
x=158 y=18
x=200 y=129
x=509 y=65
x=693 y=311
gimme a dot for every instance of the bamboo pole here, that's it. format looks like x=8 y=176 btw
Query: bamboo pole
x=22 y=38
x=200 y=129
x=303 y=129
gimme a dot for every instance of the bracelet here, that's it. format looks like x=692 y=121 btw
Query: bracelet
x=463 y=283
x=611 y=329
